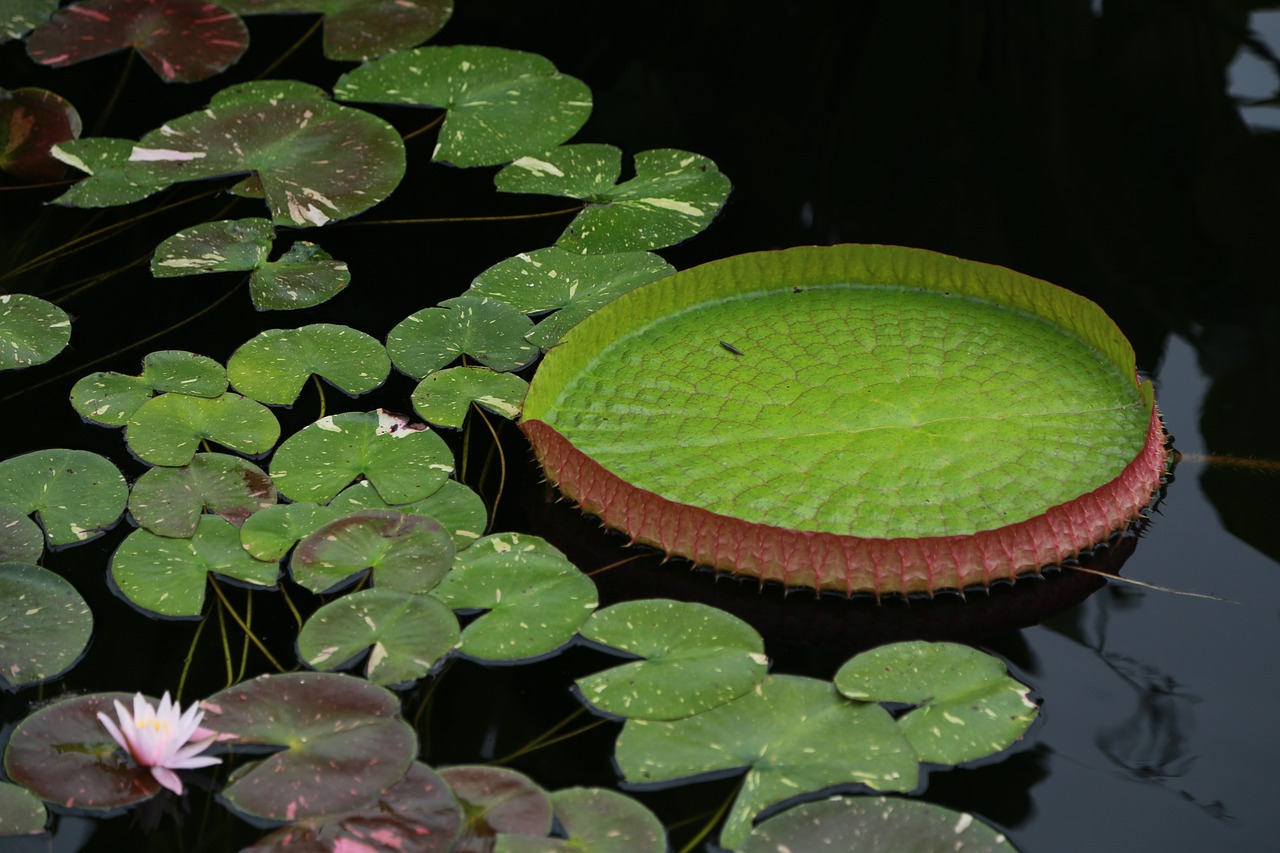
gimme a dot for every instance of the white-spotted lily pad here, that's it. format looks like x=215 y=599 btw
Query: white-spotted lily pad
x=695 y=657
x=405 y=634
x=111 y=398
x=967 y=706
x=501 y=103
x=674 y=195
x=305 y=275
x=497 y=802
x=32 y=121
x=19 y=17
x=273 y=366
x=457 y=507
x=21 y=812
x=112 y=177
x=21 y=539
x=445 y=397
x=77 y=494
x=405 y=552
x=32 y=331
x=536 y=599
x=271 y=532
x=167 y=430
x=489 y=331
x=594 y=820
x=357 y=30
x=44 y=625
x=169 y=501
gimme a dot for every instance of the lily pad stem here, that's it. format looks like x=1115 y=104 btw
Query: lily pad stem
x=244 y=627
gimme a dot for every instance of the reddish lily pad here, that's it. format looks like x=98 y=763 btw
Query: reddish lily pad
x=497 y=802
x=271 y=532
x=356 y=30
x=31 y=122
x=169 y=501
x=406 y=552
x=182 y=40
x=44 y=625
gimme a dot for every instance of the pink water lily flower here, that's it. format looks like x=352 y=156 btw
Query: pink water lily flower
x=160 y=739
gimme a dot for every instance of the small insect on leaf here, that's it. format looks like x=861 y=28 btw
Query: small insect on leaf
x=731 y=348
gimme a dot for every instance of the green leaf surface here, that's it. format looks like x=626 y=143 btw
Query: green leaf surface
x=596 y=820
x=271 y=532
x=33 y=120
x=273 y=366
x=496 y=802
x=21 y=539
x=169 y=501
x=405 y=552
x=405 y=634
x=695 y=657
x=167 y=430
x=534 y=597
x=445 y=397
x=111 y=398
x=32 y=331
x=967 y=706
x=500 y=103
x=112 y=178
x=403 y=462
x=78 y=494
x=304 y=276
x=457 y=507
x=674 y=195
x=19 y=17
x=227 y=245
x=357 y=30
x=44 y=625
x=791 y=734
x=489 y=331
x=21 y=812
x=167 y=577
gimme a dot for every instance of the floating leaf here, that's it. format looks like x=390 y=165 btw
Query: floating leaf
x=227 y=245
x=182 y=40
x=501 y=103
x=791 y=734
x=457 y=507
x=21 y=539
x=405 y=552
x=21 y=812
x=445 y=397
x=78 y=494
x=536 y=599
x=343 y=743
x=695 y=657
x=111 y=398
x=113 y=177
x=489 y=331
x=404 y=462
x=356 y=30
x=572 y=285
x=167 y=430
x=31 y=122
x=167 y=577
x=270 y=533
x=32 y=331
x=169 y=501
x=674 y=195
x=967 y=706
x=496 y=802
x=44 y=625
x=19 y=17
x=273 y=366
x=405 y=634
x=305 y=275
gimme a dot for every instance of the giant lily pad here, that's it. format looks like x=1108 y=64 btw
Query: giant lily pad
x=32 y=331
x=272 y=366
x=595 y=820
x=858 y=418
x=169 y=501
x=342 y=742
x=31 y=122
x=167 y=430
x=405 y=552
x=44 y=625
x=111 y=398
x=356 y=30
x=77 y=494
x=489 y=331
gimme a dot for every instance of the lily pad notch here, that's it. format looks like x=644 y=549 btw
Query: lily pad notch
x=865 y=419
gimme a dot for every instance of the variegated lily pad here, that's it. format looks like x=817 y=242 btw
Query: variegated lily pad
x=496 y=802
x=595 y=820
x=111 y=398
x=44 y=625
x=404 y=552
x=21 y=812
x=32 y=331
x=445 y=397
x=77 y=494
x=270 y=533
x=491 y=332
x=169 y=501
x=273 y=366
x=458 y=508
x=167 y=430
x=357 y=30
x=19 y=17
x=21 y=539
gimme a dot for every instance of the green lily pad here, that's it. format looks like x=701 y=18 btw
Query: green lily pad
x=32 y=121
x=167 y=430
x=169 y=501
x=403 y=462
x=19 y=17
x=78 y=494
x=273 y=366
x=182 y=40
x=695 y=657
x=570 y=284
x=342 y=742
x=967 y=706
x=454 y=505
x=269 y=533
x=32 y=331
x=595 y=820
x=64 y=755
x=21 y=812
x=227 y=245
x=405 y=634
x=501 y=103
x=357 y=30
x=112 y=177
x=406 y=552
x=489 y=331
x=167 y=577
x=21 y=539
x=306 y=275
x=534 y=597
x=791 y=734
x=44 y=625
x=445 y=397
x=873 y=825
x=497 y=801
x=111 y=398
x=674 y=195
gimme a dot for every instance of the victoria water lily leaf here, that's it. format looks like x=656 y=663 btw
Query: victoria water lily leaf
x=167 y=577
x=445 y=397
x=496 y=802
x=31 y=122
x=695 y=657
x=536 y=599
x=169 y=501
x=570 y=284
x=343 y=743
x=167 y=430
x=21 y=812
x=271 y=532
x=674 y=195
x=418 y=814
x=457 y=507
x=501 y=103
x=44 y=625
x=77 y=494
x=111 y=398
x=596 y=820
x=791 y=734
x=32 y=331
x=21 y=539
x=356 y=30
x=859 y=418
x=182 y=40
x=489 y=331
x=967 y=706
x=19 y=17
x=405 y=634
x=304 y=276
x=273 y=366
x=873 y=825
x=64 y=755
x=405 y=552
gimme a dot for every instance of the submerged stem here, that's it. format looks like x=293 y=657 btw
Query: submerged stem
x=217 y=588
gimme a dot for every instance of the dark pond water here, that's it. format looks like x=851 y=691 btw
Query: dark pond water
x=1098 y=146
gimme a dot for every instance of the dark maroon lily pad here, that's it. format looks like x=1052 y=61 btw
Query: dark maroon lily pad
x=182 y=40
x=169 y=501
x=406 y=552
x=342 y=744
x=31 y=122
x=356 y=30
x=497 y=801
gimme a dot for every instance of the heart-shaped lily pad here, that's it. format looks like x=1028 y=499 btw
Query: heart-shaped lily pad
x=169 y=501
x=497 y=801
x=78 y=494
x=167 y=430
x=489 y=331
x=21 y=539
x=31 y=122
x=112 y=178
x=595 y=820
x=445 y=397
x=21 y=812
x=342 y=741
x=356 y=30
x=19 y=17
x=44 y=625
x=111 y=398
x=32 y=331
x=860 y=418
x=405 y=552
x=271 y=532
x=273 y=366
x=457 y=507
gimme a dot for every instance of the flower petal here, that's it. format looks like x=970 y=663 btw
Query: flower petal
x=113 y=730
x=168 y=778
